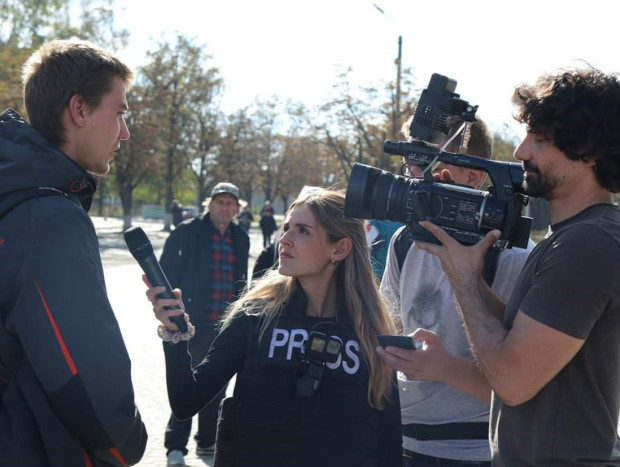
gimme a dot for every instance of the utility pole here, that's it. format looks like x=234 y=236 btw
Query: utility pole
x=396 y=116
x=398 y=62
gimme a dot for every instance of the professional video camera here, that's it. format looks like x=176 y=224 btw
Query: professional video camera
x=467 y=214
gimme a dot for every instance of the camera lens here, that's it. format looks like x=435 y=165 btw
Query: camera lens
x=317 y=344
x=373 y=193
x=465 y=213
x=333 y=347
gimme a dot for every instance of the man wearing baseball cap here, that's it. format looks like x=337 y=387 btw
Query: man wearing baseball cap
x=206 y=257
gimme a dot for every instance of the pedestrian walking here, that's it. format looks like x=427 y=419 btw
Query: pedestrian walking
x=245 y=219
x=208 y=258
x=267 y=223
x=176 y=210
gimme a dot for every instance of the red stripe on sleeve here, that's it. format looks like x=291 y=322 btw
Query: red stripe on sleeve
x=59 y=338
x=118 y=456
x=87 y=460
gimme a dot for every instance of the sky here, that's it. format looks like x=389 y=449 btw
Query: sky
x=294 y=48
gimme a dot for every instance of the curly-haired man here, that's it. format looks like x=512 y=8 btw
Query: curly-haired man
x=551 y=353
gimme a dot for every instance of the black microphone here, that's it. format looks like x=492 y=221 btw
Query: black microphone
x=141 y=249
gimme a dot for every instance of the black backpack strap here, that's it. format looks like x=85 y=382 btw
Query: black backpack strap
x=491 y=259
x=404 y=240
x=402 y=243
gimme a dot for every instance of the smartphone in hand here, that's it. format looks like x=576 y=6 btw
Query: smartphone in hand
x=404 y=342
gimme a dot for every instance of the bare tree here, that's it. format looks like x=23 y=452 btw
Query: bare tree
x=238 y=159
x=136 y=159
x=357 y=121
x=176 y=75
x=265 y=122
x=205 y=126
x=26 y=24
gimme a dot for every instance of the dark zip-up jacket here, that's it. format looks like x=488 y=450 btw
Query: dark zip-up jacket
x=71 y=401
x=186 y=260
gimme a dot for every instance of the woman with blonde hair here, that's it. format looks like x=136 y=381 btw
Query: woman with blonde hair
x=310 y=389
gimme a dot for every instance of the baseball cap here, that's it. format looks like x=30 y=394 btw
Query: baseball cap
x=225 y=187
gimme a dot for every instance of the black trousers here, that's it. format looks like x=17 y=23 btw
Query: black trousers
x=178 y=431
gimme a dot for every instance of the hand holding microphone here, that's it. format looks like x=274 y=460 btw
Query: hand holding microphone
x=142 y=250
x=166 y=310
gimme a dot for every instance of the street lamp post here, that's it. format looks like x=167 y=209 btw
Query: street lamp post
x=398 y=62
x=396 y=119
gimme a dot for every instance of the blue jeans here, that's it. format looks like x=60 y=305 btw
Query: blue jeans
x=178 y=431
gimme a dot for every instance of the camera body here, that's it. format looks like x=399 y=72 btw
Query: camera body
x=322 y=348
x=467 y=214
x=319 y=349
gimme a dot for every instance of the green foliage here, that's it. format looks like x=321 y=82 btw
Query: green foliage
x=11 y=58
x=504 y=144
x=26 y=24
x=183 y=92
x=182 y=144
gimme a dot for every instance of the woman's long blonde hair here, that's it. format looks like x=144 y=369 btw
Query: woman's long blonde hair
x=365 y=307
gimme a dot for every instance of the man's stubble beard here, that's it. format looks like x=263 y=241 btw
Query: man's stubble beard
x=539 y=184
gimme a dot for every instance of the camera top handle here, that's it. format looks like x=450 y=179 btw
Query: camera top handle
x=506 y=177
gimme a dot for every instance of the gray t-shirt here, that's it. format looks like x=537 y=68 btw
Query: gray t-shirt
x=422 y=297
x=571 y=282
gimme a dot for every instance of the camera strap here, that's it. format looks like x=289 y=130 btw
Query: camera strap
x=490 y=265
x=402 y=243
x=404 y=240
x=458 y=430
x=309 y=381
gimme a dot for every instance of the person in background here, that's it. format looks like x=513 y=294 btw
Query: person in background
x=445 y=400
x=309 y=388
x=267 y=223
x=65 y=376
x=208 y=258
x=268 y=258
x=176 y=210
x=246 y=218
x=379 y=233
x=267 y=208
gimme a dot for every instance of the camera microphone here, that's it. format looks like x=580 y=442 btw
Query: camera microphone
x=142 y=250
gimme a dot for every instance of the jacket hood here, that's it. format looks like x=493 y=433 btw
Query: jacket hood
x=27 y=160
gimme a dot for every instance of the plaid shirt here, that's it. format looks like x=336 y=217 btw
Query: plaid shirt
x=221 y=274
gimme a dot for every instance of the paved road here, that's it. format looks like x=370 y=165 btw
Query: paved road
x=138 y=325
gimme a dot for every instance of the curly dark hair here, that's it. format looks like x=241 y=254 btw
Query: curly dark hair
x=579 y=111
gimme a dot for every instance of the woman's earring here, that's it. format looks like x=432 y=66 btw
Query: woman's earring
x=331 y=260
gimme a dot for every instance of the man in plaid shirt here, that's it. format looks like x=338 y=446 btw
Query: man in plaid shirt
x=206 y=257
